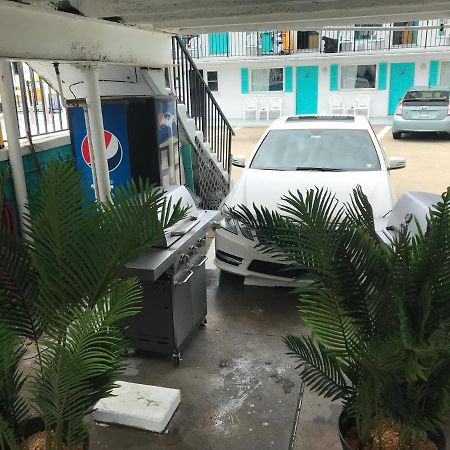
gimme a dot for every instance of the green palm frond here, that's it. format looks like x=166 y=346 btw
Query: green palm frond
x=430 y=260
x=19 y=286
x=8 y=440
x=13 y=409
x=319 y=369
x=78 y=247
x=83 y=367
x=315 y=234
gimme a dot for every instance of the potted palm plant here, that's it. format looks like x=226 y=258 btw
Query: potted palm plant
x=61 y=288
x=379 y=315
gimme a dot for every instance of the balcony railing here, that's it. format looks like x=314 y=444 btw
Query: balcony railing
x=391 y=37
x=38 y=105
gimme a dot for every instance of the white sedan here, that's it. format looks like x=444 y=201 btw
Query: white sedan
x=300 y=153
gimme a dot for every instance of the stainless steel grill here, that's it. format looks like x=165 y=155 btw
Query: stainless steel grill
x=173 y=277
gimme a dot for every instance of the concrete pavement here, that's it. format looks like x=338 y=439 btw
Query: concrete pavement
x=239 y=390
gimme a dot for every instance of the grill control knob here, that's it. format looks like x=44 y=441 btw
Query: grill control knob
x=201 y=242
x=184 y=258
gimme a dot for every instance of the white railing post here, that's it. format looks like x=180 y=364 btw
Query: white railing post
x=13 y=139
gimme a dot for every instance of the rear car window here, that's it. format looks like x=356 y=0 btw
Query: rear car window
x=317 y=149
x=418 y=97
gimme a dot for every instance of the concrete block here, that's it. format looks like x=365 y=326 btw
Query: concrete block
x=139 y=406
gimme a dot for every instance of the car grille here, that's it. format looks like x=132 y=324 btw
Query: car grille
x=276 y=269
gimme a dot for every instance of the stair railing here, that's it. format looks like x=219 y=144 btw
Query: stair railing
x=192 y=90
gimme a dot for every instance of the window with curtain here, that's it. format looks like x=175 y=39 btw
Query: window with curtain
x=444 y=78
x=267 y=80
x=361 y=76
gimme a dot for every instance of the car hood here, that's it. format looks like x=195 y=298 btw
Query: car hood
x=266 y=187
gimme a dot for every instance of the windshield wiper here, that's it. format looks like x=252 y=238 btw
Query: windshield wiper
x=319 y=169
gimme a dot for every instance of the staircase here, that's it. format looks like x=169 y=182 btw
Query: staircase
x=203 y=126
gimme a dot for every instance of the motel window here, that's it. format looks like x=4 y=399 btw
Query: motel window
x=361 y=76
x=212 y=80
x=267 y=80
x=444 y=78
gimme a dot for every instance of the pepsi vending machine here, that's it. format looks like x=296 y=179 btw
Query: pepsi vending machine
x=141 y=137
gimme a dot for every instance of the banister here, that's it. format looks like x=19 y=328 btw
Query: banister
x=179 y=43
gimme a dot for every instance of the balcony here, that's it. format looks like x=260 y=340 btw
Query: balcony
x=395 y=37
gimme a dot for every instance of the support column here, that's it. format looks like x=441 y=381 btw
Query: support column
x=97 y=135
x=12 y=135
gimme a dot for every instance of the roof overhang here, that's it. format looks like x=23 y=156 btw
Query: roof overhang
x=194 y=16
x=32 y=33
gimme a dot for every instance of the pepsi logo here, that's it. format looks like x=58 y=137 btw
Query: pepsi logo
x=114 y=152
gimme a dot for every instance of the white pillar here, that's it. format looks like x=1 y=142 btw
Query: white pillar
x=97 y=137
x=12 y=135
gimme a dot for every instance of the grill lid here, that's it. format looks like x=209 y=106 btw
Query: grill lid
x=173 y=234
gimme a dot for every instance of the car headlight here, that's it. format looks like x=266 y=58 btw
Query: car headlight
x=246 y=231
x=228 y=223
x=231 y=225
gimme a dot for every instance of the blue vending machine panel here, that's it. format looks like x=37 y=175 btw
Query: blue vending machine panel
x=116 y=140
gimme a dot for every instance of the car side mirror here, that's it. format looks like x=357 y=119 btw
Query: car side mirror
x=238 y=161
x=396 y=162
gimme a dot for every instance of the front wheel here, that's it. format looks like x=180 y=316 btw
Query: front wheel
x=397 y=135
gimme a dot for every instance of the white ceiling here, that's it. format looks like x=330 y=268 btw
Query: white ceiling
x=192 y=16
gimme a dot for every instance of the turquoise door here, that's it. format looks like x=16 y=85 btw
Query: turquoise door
x=307 y=89
x=218 y=43
x=402 y=78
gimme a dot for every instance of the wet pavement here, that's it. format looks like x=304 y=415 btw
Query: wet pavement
x=239 y=390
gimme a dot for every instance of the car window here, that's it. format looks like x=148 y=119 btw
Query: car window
x=420 y=97
x=318 y=149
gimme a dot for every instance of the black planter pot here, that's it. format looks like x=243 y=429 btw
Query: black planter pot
x=36 y=424
x=345 y=424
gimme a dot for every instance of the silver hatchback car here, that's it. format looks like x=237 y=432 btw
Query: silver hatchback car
x=422 y=109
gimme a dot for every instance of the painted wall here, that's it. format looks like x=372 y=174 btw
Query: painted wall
x=48 y=148
x=231 y=99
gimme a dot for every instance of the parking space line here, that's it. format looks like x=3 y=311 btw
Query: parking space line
x=383 y=132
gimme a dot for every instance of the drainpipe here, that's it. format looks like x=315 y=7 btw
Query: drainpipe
x=12 y=133
x=97 y=136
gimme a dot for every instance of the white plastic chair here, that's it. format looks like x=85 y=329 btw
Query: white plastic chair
x=362 y=104
x=337 y=105
x=275 y=105
x=250 y=106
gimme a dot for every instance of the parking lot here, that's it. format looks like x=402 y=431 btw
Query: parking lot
x=427 y=158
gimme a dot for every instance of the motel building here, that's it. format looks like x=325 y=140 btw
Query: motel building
x=264 y=74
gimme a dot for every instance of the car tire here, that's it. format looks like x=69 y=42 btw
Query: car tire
x=397 y=135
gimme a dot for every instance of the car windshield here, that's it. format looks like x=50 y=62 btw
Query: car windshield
x=424 y=96
x=317 y=149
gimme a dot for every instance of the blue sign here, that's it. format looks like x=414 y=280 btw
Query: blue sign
x=116 y=140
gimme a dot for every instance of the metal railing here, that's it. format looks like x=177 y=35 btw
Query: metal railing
x=38 y=105
x=201 y=106
x=357 y=39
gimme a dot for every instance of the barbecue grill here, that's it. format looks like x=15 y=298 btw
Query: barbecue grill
x=173 y=278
